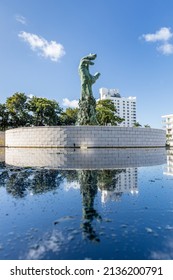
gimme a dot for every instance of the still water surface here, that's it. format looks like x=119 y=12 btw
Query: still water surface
x=108 y=211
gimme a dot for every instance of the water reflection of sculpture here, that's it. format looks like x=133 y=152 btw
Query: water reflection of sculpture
x=89 y=182
x=21 y=181
x=88 y=187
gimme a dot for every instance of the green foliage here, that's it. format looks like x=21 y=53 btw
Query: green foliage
x=137 y=124
x=44 y=111
x=69 y=117
x=168 y=136
x=20 y=110
x=108 y=179
x=106 y=113
x=3 y=117
x=147 y=125
x=18 y=114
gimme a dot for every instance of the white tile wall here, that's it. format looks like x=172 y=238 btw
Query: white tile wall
x=90 y=136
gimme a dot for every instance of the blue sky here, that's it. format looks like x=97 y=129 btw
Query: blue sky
x=42 y=43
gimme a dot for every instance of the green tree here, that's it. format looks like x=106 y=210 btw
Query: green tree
x=147 y=125
x=69 y=117
x=106 y=113
x=137 y=124
x=17 y=109
x=44 y=111
x=4 y=115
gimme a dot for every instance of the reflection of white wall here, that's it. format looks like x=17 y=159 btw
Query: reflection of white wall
x=126 y=183
x=84 y=159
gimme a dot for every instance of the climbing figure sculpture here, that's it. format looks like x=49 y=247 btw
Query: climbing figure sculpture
x=87 y=103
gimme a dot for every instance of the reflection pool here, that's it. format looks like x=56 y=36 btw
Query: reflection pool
x=90 y=204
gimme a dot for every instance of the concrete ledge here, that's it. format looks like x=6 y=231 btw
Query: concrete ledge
x=84 y=137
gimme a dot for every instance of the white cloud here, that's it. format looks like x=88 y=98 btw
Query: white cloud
x=166 y=49
x=21 y=19
x=72 y=103
x=166 y=254
x=162 y=37
x=71 y=185
x=164 y=34
x=52 y=49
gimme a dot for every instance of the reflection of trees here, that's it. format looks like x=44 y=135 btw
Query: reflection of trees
x=108 y=179
x=45 y=180
x=70 y=175
x=19 y=181
x=3 y=174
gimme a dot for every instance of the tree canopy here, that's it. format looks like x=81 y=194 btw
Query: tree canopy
x=69 y=117
x=17 y=109
x=137 y=124
x=106 y=113
x=44 y=111
x=3 y=117
x=21 y=110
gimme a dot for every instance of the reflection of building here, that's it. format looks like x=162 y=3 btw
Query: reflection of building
x=126 y=183
x=126 y=106
x=168 y=125
x=169 y=167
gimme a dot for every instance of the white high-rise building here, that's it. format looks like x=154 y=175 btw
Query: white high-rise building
x=168 y=125
x=126 y=106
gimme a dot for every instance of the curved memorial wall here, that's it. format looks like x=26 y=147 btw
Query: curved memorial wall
x=84 y=137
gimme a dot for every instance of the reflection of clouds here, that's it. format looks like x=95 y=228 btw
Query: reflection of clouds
x=71 y=185
x=114 y=195
x=167 y=254
x=49 y=243
x=110 y=195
